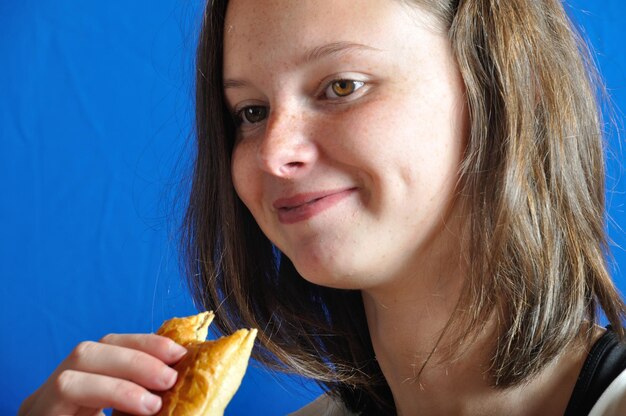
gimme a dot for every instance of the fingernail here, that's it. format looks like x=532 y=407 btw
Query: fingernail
x=168 y=377
x=151 y=402
x=177 y=350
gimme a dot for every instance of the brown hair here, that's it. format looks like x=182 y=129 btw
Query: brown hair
x=533 y=174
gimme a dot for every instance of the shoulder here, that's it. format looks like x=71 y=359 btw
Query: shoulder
x=324 y=405
x=613 y=401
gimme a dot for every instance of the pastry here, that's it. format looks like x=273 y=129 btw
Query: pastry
x=211 y=371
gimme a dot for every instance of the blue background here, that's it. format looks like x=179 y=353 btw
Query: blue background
x=96 y=103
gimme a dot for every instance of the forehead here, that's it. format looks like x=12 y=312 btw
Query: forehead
x=279 y=30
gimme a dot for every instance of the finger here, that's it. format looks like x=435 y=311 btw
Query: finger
x=121 y=362
x=90 y=412
x=96 y=391
x=27 y=404
x=158 y=346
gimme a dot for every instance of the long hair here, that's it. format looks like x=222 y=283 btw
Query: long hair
x=533 y=173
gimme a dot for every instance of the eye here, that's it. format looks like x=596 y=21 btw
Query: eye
x=342 y=88
x=251 y=114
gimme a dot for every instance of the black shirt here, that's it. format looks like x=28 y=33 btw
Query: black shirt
x=606 y=360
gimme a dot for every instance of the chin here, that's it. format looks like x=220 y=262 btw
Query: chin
x=331 y=274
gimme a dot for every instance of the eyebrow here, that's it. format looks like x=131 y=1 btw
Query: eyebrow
x=335 y=48
x=234 y=83
x=315 y=54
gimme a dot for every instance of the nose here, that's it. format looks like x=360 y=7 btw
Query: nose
x=287 y=149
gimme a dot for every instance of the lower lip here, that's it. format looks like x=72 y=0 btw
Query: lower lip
x=311 y=209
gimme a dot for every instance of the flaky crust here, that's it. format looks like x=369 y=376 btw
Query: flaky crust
x=209 y=375
x=188 y=329
x=211 y=371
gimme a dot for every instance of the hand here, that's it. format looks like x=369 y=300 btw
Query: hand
x=115 y=372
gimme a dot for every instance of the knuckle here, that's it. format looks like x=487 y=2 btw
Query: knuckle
x=108 y=339
x=64 y=381
x=143 y=341
x=138 y=360
x=126 y=392
x=154 y=345
x=162 y=343
x=82 y=350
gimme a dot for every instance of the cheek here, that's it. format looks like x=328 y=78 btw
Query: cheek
x=359 y=133
x=379 y=136
x=241 y=175
x=402 y=144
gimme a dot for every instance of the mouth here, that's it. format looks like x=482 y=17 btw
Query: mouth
x=301 y=207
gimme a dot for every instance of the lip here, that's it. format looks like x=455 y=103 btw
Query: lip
x=303 y=206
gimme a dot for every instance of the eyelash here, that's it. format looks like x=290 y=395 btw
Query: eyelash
x=239 y=117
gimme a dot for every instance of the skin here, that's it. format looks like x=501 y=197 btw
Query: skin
x=313 y=141
x=115 y=372
x=394 y=144
x=394 y=138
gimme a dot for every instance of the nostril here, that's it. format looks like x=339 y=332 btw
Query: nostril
x=283 y=151
x=291 y=167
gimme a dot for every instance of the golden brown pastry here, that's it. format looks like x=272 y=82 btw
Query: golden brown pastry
x=187 y=330
x=211 y=371
x=209 y=375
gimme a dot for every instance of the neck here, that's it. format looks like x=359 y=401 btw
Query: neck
x=406 y=320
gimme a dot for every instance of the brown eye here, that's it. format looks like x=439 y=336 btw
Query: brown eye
x=343 y=87
x=252 y=114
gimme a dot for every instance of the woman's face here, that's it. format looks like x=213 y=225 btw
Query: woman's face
x=352 y=125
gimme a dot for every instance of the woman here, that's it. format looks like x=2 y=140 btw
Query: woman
x=407 y=196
